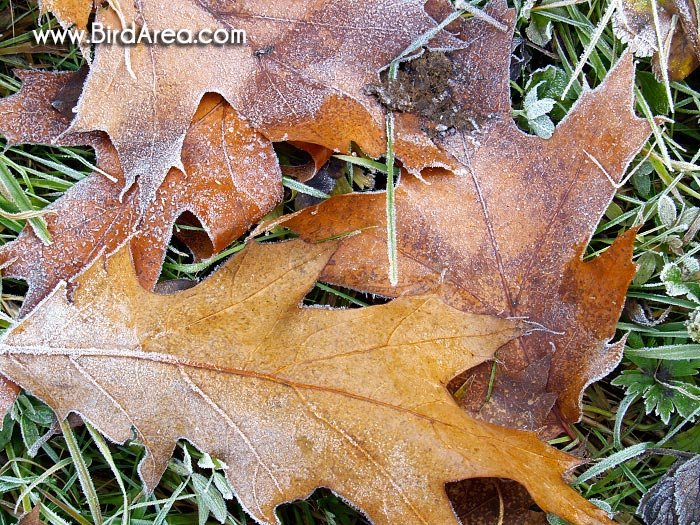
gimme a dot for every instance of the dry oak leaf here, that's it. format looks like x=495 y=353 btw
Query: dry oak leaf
x=305 y=172
x=8 y=394
x=518 y=399
x=297 y=77
x=291 y=398
x=232 y=179
x=634 y=23
x=506 y=234
x=32 y=517
x=488 y=501
x=69 y=12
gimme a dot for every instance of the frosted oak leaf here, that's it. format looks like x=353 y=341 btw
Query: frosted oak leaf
x=231 y=179
x=291 y=398
x=299 y=77
x=504 y=229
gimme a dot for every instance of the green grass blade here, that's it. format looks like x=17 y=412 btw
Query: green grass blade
x=363 y=162
x=51 y=517
x=613 y=461
x=671 y=352
x=340 y=294
x=203 y=265
x=40 y=479
x=390 y=207
x=590 y=47
x=61 y=168
x=107 y=455
x=626 y=402
x=83 y=475
x=295 y=185
x=168 y=504
x=13 y=191
x=663 y=299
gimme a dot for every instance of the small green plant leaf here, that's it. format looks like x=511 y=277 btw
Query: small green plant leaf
x=537 y=108
x=682 y=279
x=542 y=126
x=539 y=30
x=205 y=461
x=666 y=209
x=693 y=325
x=8 y=425
x=641 y=180
x=659 y=384
x=654 y=92
x=223 y=485
x=211 y=498
x=535 y=111
x=646 y=268
x=182 y=467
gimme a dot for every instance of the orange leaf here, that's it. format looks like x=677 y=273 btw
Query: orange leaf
x=297 y=77
x=69 y=12
x=505 y=233
x=226 y=194
x=637 y=25
x=353 y=400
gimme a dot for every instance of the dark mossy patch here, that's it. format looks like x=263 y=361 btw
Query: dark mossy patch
x=424 y=86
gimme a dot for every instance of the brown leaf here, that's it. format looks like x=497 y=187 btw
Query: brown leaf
x=634 y=24
x=353 y=400
x=487 y=501
x=227 y=194
x=505 y=234
x=319 y=156
x=31 y=518
x=8 y=394
x=296 y=78
x=519 y=399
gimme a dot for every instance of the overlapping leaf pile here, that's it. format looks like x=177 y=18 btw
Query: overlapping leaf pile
x=491 y=229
